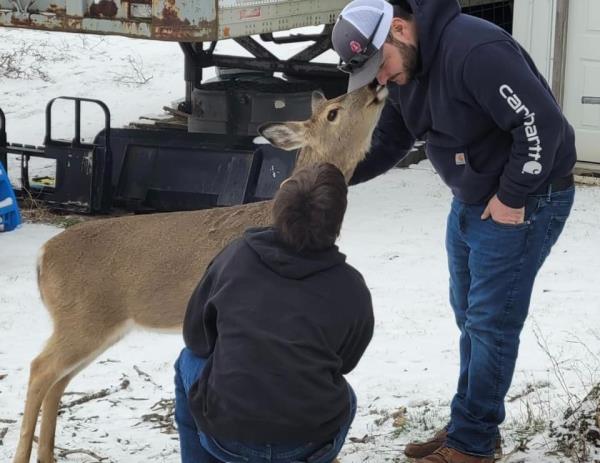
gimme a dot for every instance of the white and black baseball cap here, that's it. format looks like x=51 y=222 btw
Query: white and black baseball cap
x=358 y=37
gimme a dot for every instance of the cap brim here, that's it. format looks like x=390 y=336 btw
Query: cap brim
x=366 y=73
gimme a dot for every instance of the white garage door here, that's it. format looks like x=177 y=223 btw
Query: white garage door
x=582 y=77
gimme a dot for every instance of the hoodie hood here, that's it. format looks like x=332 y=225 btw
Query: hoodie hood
x=287 y=262
x=432 y=17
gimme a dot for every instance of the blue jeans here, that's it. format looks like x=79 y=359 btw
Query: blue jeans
x=492 y=271
x=198 y=447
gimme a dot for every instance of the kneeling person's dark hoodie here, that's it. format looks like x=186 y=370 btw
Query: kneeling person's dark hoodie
x=279 y=329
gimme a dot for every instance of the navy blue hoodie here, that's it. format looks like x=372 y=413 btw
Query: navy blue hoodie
x=489 y=118
x=279 y=329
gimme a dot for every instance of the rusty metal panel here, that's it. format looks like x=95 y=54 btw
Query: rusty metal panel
x=178 y=20
x=184 y=18
x=44 y=21
x=239 y=18
x=123 y=27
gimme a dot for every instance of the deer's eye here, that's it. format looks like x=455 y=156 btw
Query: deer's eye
x=331 y=115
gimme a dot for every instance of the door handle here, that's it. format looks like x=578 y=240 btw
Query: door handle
x=590 y=99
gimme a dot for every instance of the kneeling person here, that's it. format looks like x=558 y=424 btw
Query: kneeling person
x=272 y=327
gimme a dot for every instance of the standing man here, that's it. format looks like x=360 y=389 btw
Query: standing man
x=498 y=139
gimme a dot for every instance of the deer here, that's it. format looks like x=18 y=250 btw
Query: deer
x=100 y=279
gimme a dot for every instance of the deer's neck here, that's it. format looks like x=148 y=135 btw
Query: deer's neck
x=345 y=160
x=308 y=156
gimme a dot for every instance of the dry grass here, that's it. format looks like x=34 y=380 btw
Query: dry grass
x=33 y=211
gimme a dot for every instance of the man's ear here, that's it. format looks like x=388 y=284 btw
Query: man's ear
x=399 y=28
x=285 y=135
x=404 y=30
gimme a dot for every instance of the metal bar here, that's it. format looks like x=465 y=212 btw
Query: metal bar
x=3 y=155
x=590 y=100
x=20 y=150
x=48 y=138
x=470 y=3
x=255 y=48
x=106 y=175
x=25 y=173
x=188 y=73
x=77 y=138
x=25 y=152
x=192 y=70
x=207 y=58
x=77 y=187
x=294 y=38
x=320 y=46
x=260 y=64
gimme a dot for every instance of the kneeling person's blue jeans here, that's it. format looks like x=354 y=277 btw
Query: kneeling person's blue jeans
x=492 y=270
x=198 y=447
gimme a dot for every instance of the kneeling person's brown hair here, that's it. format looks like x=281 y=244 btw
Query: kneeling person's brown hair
x=309 y=207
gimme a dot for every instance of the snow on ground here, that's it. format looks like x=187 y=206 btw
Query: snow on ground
x=393 y=233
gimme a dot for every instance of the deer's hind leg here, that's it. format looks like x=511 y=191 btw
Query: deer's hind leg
x=49 y=375
x=46 y=369
x=49 y=418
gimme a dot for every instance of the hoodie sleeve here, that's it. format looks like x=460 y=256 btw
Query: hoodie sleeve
x=391 y=142
x=360 y=333
x=200 y=323
x=501 y=81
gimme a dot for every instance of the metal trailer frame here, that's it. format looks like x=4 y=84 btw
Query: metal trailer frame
x=176 y=20
x=215 y=162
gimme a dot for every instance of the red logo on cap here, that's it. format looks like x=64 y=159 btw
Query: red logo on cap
x=355 y=47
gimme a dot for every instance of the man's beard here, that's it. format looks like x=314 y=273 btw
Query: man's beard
x=410 y=58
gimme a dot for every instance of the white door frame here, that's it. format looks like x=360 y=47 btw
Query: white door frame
x=560 y=49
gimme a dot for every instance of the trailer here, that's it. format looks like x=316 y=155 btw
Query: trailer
x=212 y=159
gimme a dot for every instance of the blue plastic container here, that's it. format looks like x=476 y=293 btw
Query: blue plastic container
x=10 y=217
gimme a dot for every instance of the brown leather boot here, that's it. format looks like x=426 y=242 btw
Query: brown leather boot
x=423 y=449
x=448 y=455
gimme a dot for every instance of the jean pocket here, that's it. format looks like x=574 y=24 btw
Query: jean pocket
x=553 y=231
x=219 y=451
x=511 y=226
x=562 y=203
x=565 y=196
x=325 y=454
x=532 y=206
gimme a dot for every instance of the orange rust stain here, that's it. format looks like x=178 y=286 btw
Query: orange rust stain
x=104 y=9
x=203 y=31
x=170 y=15
x=21 y=22
x=55 y=9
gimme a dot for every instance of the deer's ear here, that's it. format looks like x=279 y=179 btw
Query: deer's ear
x=285 y=135
x=317 y=99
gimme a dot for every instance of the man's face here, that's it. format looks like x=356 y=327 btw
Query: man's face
x=400 y=55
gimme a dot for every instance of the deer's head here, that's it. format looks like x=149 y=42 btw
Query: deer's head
x=339 y=130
